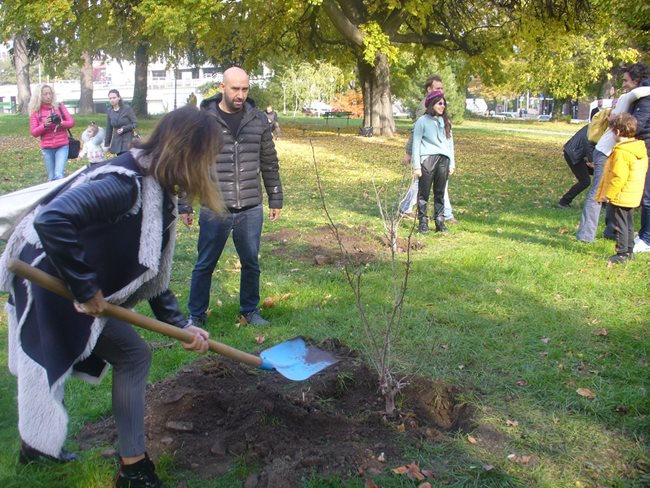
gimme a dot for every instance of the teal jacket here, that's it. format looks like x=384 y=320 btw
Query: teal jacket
x=429 y=138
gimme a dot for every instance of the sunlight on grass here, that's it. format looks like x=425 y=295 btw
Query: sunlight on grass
x=505 y=305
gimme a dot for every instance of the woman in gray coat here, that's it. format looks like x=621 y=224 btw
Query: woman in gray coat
x=120 y=124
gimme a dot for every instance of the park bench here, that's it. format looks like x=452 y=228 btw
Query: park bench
x=7 y=107
x=337 y=115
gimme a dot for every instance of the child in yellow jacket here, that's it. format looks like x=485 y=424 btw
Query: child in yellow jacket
x=622 y=183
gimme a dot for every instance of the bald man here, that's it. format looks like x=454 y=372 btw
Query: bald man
x=248 y=151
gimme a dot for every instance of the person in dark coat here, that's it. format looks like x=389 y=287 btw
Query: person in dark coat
x=109 y=234
x=578 y=153
x=248 y=152
x=120 y=124
x=641 y=111
x=272 y=117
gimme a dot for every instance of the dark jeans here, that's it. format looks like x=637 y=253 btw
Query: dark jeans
x=623 y=224
x=435 y=171
x=581 y=172
x=246 y=229
x=644 y=231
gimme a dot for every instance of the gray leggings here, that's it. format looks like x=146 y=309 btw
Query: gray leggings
x=121 y=346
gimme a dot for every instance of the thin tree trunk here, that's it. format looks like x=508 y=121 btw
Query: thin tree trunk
x=139 y=103
x=86 y=95
x=377 y=104
x=21 y=63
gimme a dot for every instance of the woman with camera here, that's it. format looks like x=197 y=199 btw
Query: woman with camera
x=50 y=121
x=120 y=124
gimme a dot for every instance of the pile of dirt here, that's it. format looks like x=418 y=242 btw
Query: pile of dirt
x=215 y=411
x=319 y=246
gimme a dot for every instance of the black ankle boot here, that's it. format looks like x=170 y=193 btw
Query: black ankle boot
x=138 y=475
x=28 y=455
x=423 y=228
x=440 y=225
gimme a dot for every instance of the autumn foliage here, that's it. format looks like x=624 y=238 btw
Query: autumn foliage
x=350 y=101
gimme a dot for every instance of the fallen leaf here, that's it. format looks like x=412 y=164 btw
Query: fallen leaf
x=369 y=484
x=499 y=230
x=543 y=354
x=400 y=470
x=488 y=467
x=285 y=296
x=268 y=302
x=586 y=392
x=601 y=331
x=428 y=473
x=512 y=423
x=426 y=484
x=400 y=428
x=381 y=458
x=545 y=340
x=525 y=459
x=513 y=458
x=521 y=383
x=498 y=291
x=595 y=321
x=471 y=439
x=414 y=472
x=260 y=339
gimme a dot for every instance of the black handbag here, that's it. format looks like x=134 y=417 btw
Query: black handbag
x=74 y=146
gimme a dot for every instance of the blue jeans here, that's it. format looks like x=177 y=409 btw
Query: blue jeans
x=411 y=198
x=591 y=210
x=246 y=229
x=55 y=161
x=644 y=231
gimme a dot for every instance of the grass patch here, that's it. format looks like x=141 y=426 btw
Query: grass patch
x=505 y=306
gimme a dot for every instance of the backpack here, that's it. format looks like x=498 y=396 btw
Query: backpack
x=598 y=125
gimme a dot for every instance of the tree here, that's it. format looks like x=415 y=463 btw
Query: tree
x=21 y=64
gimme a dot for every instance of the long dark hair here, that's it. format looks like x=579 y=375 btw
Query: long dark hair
x=432 y=99
x=183 y=148
x=120 y=103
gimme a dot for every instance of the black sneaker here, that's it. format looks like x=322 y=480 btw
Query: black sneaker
x=28 y=455
x=254 y=318
x=563 y=205
x=138 y=475
x=618 y=258
x=423 y=228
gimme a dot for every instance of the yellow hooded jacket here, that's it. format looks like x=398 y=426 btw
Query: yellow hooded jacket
x=624 y=174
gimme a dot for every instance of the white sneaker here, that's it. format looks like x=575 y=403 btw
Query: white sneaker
x=641 y=246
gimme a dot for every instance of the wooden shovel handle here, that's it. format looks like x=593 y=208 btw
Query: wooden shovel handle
x=55 y=285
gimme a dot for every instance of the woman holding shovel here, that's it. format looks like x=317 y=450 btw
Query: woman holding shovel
x=109 y=234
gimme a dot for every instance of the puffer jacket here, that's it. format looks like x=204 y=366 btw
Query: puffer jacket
x=243 y=157
x=52 y=136
x=579 y=148
x=624 y=175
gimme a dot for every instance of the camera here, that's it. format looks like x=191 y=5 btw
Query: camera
x=55 y=118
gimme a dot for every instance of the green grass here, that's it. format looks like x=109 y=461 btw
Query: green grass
x=504 y=306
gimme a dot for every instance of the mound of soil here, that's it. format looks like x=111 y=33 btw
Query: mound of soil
x=321 y=247
x=214 y=411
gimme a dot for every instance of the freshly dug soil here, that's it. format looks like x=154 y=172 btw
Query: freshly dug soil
x=215 y=411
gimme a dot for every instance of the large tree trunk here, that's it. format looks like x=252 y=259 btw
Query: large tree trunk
x=377 y=104
x=21 y=63
x=139 y=103
x=86 y=96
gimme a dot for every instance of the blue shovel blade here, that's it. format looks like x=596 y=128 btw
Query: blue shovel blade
x=295 y=360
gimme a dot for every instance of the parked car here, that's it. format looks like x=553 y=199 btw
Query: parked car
x=544 y=118
x=317 y=108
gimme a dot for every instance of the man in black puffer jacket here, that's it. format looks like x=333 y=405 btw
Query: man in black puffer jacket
x=247 y=151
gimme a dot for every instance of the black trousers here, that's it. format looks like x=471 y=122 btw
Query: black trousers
x=435 y=172
x=581 y=172
x=623 y=224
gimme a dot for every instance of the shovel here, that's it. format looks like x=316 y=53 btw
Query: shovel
x=293 y=359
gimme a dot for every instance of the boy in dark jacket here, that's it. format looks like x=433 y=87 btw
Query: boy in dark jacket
x=578 y=154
